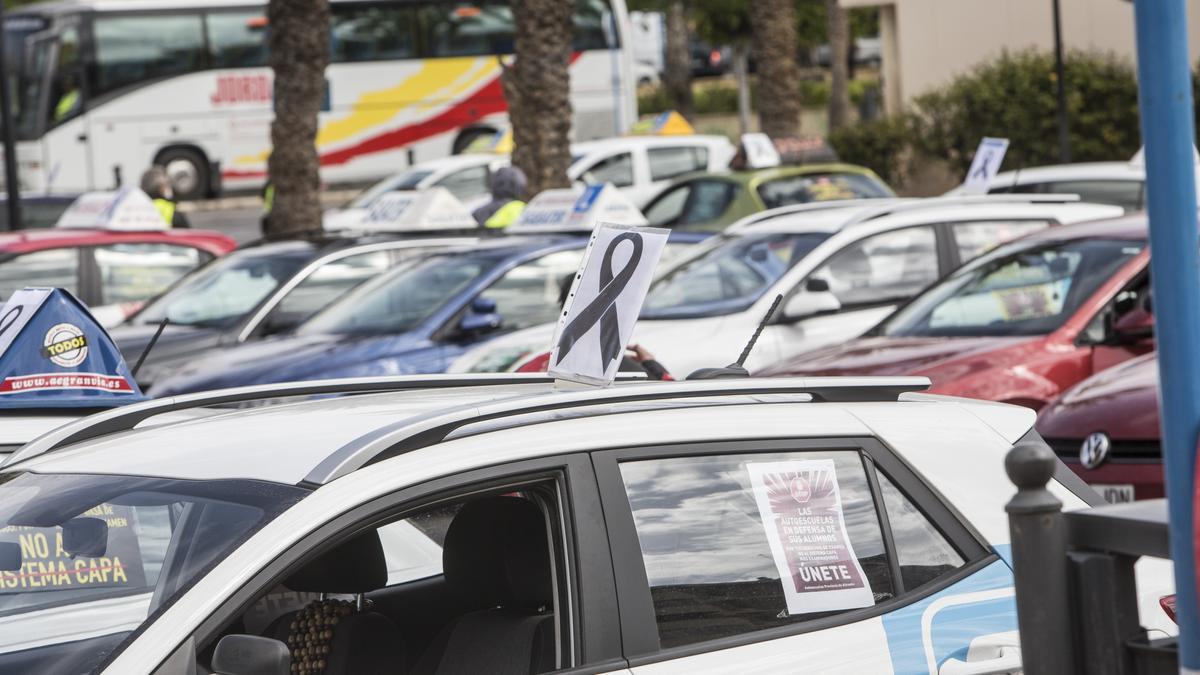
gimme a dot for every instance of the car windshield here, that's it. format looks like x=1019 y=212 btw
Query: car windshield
x=397 y=302
x=728 y=276
x=1029 y=288
x=409 y=179
x=221 y=293
x=820 y=187
x=86 y=559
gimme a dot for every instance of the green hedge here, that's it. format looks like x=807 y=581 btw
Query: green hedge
x=882 y=145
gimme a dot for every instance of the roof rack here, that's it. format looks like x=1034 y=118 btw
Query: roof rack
x=127 y=417
x=963 y=200
x=809 y=207
x=428 y=429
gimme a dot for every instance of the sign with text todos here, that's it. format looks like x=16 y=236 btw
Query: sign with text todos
x=417 y=211
x=986 y=164
x=604 y=302
x=577 y=209
x=760 y=151
x=801 y=509
x=127 y=209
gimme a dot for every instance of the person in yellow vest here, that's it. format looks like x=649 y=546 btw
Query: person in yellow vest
x=508 y=188
x=157 y=185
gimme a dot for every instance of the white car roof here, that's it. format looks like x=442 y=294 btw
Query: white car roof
x=627 y=142
x=317 y=441
x=1100 y=171
x=18 y=427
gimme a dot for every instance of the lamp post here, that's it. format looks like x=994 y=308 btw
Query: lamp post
x=11 y=183
x=1168 y=130
x=1064 y=136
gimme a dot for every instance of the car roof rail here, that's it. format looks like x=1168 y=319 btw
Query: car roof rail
x=808 y=207
x=962 y=200
x=433 y=427
x=127 y=417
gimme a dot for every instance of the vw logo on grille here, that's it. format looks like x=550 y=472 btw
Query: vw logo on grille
x=1094 y=450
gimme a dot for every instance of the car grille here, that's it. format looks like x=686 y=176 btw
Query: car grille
x=1138 y=451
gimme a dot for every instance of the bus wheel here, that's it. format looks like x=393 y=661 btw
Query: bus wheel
x=188 y=171
x=468 y=136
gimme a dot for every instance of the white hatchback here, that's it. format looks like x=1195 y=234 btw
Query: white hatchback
x=504 y=525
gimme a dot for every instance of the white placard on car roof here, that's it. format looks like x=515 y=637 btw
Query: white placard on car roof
x=986 y=164
x=414 y=211
x=127 y=209
x=760 y=150
x=604 y=302
x=577 y=209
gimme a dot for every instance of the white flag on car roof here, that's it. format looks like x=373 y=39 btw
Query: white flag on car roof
x=577 y=209
x=127 y=209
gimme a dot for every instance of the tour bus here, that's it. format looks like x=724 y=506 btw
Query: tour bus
x=107 y=87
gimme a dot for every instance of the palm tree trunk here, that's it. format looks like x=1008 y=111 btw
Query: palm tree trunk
x=741 y=73
x=299 y=53
x=537 y=89
x=773 y=25
x=838 y=22
x=678 y=67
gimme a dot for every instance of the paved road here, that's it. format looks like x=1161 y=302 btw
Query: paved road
x=240 y=217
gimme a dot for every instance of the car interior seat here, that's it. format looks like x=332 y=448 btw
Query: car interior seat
x=496 y=553
x=342 y=636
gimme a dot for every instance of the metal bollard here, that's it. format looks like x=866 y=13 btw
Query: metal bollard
x=1040 y=566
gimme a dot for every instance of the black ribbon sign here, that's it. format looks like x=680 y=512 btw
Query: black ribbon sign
x=603 y=308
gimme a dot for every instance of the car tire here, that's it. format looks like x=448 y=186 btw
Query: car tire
x=188 y=170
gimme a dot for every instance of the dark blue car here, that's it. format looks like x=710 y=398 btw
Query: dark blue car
x=415 y=319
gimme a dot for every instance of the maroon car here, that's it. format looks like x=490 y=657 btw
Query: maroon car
x=1106 y=429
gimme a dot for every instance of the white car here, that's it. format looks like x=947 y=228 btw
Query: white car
x=841 y=267
x=641 y=166
x=1119 y=183
x=504 y=525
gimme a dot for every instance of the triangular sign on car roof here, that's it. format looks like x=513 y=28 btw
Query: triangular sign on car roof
x=127 y=209
x=668 y=123
x=577 y=209
x=415 y=211
x=54 y=354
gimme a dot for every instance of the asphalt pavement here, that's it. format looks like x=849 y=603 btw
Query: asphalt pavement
x=240 y=216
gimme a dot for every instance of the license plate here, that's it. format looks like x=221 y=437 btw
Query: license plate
x=1116 y=494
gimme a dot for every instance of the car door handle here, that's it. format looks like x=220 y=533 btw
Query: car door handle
x=81 y=138
x=1009 y=661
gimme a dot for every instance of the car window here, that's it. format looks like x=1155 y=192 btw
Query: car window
x=1128 y=194
x=666 y=163
x=55 y=267
x=137 y=272
x=666 y=209
x=885 y=267
x=1026 y=289
x=467 y=183
x=709 y=201
x=729 y=276
x=820 y=187
x=372 y=33
x=975 y=238
x=397 y=302
x=617 y=170
x=716 y=530
x=409 y=179
x=528 y=294
x=225 y=290
x=326 y=284
x=923 y=552
x=110 y=551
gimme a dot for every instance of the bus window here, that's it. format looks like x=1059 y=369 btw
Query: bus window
x=136 y=48
x=594 y=27
x=468 y=29
x=237 y=39
x=66 y=94
x=372 y=33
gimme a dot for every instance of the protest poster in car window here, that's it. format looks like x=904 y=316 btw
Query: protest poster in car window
x=801 y=509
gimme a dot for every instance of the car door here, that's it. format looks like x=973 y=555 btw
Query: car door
x=859 y=285
x=436 y=546
x=804 y=555
x=124 y=276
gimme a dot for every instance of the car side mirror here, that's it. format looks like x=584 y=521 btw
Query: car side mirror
x=480 y=319
x=10 y=556
x=251 y=655
x=808 y=302
x=1132 y=327
x=85 y=537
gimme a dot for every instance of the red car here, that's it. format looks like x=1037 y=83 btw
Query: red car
x=113 y=272
x=1106 y=429
x=1018 y=325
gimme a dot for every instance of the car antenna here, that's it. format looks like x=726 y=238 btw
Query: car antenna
x=738 y=368
x=150 y=345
